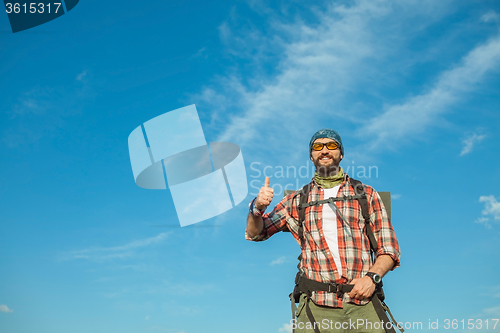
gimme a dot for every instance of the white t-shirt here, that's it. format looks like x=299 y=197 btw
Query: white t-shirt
x=330 y=227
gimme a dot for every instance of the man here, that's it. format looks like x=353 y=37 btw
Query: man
x=334 y=243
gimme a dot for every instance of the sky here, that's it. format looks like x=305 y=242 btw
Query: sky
x=411 y=86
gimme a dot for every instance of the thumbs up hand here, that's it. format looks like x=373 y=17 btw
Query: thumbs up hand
x=265 y=196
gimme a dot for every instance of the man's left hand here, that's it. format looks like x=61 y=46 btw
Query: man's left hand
x=363 y=288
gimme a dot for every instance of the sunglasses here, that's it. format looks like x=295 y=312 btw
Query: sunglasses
x=332 y=145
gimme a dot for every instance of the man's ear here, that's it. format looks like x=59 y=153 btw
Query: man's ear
x=341 y=157
x=311 y=158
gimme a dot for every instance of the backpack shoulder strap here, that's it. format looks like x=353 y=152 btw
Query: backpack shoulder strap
x=363 y=203
x=304 y=198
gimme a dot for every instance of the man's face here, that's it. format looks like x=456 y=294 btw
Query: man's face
x=326 y=161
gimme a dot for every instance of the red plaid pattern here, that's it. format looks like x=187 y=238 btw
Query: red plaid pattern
x=354 y=246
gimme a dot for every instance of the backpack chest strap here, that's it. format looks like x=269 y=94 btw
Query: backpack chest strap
x=332 y=200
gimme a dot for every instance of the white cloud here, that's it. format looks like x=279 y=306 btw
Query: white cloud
x=319 y=64
x=470 y=142
x=490 y=16
x=396 y=196
x=491 y=210
x=323 y=66
x=287 y=328
x=115 y=252
x=279 y=261
x=5 y=308
x=484 y=221
x=491 y=206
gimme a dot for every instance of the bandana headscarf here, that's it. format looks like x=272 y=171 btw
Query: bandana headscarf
x=329 y=182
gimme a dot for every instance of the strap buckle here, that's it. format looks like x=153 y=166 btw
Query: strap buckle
x=343 y=288
x=333 y=287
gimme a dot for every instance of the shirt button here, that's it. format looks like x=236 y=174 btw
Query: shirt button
x=335 y=271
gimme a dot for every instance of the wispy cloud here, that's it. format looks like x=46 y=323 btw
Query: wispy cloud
x=490 y=16
x=5 y=308
x=492 y=311
x=329 y=72
x=36 y=101
x=287 y=328
x=41 y=111
x=470 y=142
x=279 y=261
x=406 y=120
x=492 y=206
x=82 y=76
x=319 y=65
x=484 y=221
x=492 y=291
x=491 y=210
x=115 y=252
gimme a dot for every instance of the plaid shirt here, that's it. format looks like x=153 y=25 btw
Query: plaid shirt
x=354 y=245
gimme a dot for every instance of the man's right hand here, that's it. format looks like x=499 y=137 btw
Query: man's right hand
x=265 y=196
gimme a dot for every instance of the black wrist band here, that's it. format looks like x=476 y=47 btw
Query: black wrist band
x=254 y=210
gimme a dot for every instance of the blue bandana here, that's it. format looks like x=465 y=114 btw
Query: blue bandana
x=327 y=133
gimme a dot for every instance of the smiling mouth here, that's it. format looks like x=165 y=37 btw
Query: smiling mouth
x=326 y=158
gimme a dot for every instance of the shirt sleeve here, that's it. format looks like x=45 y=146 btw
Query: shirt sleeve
x=274 y=221
x=382 y=228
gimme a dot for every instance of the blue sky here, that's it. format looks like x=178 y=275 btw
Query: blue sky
x=412 y=87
